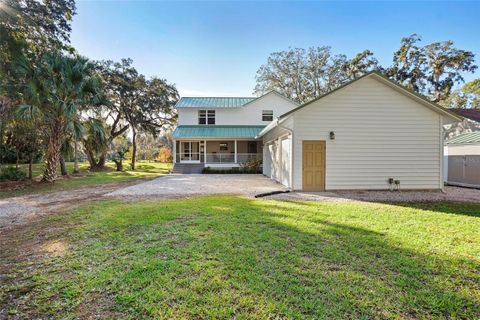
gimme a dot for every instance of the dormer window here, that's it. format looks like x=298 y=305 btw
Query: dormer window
x=206 y=116
x=267 y=115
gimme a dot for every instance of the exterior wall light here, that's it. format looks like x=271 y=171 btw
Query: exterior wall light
x=332 y=135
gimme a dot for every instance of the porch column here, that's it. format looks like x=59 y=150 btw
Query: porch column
x=204 y=151
x=235 y=144
x=174 y=151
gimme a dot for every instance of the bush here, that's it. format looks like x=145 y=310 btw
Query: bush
x=231 y=171
x=252 y=164
x=12 y=174
x=164 y=155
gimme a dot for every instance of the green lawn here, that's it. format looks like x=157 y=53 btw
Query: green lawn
x=231 y=257
x=144 y=170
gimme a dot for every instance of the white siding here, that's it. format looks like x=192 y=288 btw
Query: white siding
x=250 y=114
x=379 y=133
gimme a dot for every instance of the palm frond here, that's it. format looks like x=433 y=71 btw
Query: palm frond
x=27 y=112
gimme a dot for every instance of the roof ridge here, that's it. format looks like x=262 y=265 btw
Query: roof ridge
x=209 y=97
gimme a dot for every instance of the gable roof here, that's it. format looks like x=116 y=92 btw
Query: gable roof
x=472 y=114
x=224 y=102
x=378 y=76
x=466 y=138
x=213 y=102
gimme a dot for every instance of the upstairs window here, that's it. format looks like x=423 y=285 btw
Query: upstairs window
x=267 y=115
x=206 y=116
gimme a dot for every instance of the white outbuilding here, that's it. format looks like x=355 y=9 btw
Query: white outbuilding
x=369 y=134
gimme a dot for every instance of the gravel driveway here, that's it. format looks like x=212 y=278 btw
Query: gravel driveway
x=178 y=185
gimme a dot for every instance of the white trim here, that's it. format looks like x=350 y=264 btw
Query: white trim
x=235 y=151
x=442 y=184
x=174 y=151
x=204 y=151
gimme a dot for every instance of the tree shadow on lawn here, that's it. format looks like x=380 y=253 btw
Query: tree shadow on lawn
x=225 y=257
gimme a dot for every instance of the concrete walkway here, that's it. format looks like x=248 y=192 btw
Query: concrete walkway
x=180 y=185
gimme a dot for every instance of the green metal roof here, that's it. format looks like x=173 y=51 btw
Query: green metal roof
x=214 y=131
x=466 y=138
x=213 y=102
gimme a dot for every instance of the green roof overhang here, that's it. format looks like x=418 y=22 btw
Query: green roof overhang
x=215 y=131
x=466 y=138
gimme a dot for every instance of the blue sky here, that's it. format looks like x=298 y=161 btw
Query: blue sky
x=215 y=48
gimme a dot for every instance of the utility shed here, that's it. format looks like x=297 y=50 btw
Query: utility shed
x=462 y=160
x=360 y=136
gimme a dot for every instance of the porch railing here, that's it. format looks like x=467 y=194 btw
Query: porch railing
x=230 y=157
x=194 y=156
x=219 y=157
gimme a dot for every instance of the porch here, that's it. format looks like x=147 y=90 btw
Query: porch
x=217 y=153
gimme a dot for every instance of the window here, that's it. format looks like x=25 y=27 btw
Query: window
x=223 y=146
x=206 y=116
x=267 y=115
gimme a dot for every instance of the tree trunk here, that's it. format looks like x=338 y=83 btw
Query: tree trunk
x=94 y=164
x=30 y=169
x=55 y=141
x=18 y=159
x=75 y=157
x=119 y=164
x=134 y=148
x=63 y=166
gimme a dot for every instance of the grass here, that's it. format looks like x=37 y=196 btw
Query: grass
x=229 y=257
x=144 y=170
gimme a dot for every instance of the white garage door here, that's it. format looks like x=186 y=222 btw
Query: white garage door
x=274 y=155
x=285 y=156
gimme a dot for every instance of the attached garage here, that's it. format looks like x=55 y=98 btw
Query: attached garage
x=364 y=135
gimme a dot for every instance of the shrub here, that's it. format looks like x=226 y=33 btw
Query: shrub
x=12 y=174
x=164 y=155
x=208 y=170
x=252 y=164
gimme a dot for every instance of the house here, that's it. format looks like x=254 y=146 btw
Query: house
x=219 y=132
x=462 y=159
x=369 y=134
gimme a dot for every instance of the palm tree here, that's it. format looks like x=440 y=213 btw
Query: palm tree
x=62 y=84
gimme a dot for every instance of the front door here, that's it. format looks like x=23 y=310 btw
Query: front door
x=313 y=165
x=190 y=151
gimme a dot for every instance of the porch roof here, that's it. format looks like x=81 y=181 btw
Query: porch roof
x=216 y=131
x=466 y=138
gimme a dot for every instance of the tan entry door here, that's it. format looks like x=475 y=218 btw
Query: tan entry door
x=313 y=165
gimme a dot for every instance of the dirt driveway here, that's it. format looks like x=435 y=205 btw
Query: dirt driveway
x=21 y=209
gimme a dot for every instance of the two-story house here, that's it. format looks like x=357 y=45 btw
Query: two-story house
x=369 y=134
x=220 y=131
